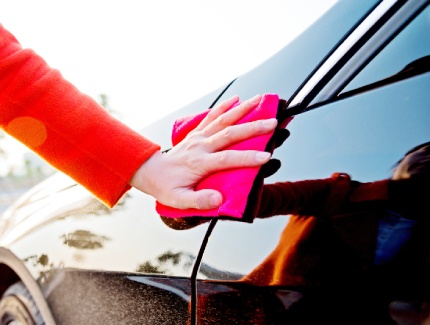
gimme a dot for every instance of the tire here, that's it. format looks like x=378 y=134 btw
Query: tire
x=17 y=307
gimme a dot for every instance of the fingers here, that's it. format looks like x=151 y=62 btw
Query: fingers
x=217 y=111
x=230 y=117
x=228 y=159
x=240 y=132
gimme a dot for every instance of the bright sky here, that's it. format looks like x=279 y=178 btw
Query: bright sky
x=152 y=57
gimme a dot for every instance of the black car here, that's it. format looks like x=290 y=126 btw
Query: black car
x=358 y=85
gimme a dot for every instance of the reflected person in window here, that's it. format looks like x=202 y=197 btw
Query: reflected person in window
x=357 y=244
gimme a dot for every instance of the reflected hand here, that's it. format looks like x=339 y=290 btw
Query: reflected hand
x=171 y=177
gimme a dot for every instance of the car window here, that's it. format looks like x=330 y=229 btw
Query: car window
x=408 y=54
x=363 y=135
x=286 y=70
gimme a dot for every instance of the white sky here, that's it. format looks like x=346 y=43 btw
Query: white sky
x=152 y=57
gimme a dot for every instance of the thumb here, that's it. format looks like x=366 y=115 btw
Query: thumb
x=203 y=199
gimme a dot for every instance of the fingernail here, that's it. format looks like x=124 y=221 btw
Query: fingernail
x=216 y=200
x=234 y=98
x=270 y=123
x=262 y=156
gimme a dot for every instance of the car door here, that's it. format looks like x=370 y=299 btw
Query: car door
x=358 y=113
x=98 y=265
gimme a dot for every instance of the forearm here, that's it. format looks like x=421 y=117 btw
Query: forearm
x=65 y=127
x=309 y=197
x=292 y=197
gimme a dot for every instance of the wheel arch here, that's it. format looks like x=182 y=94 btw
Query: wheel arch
x=12 y=269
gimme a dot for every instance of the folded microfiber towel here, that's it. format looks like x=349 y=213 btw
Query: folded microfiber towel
x=234 y=184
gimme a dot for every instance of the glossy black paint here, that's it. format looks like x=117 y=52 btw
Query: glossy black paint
x=95 y=265
x=77 y=297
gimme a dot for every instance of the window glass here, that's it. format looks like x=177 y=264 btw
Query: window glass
x=288 y=68
x=408 y=53
x=363 y=135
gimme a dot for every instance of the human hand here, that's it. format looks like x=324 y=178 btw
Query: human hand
x=171 y=177
x=267 y=170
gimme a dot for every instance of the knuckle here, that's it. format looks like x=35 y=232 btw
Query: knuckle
x=227 y=132
x=194 y=140
x=190 y=147
x=222 y=157
x=198 y=203
x=205 y=132
x=195 y=135
x=248 y=156
x=221 y=120
x=172 y=200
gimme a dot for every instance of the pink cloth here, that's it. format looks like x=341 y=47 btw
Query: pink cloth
x=234 y=184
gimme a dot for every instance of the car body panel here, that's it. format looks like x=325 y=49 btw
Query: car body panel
x=317 y=148
x=131 y=267
x=75 y=230
x=78 y=297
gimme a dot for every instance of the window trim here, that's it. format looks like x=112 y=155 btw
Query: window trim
x=370 y=49
x=356 y=51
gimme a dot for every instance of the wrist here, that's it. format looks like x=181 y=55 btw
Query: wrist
x=144 y=179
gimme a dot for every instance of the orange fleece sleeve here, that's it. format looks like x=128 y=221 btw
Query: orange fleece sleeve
x=67 y=128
